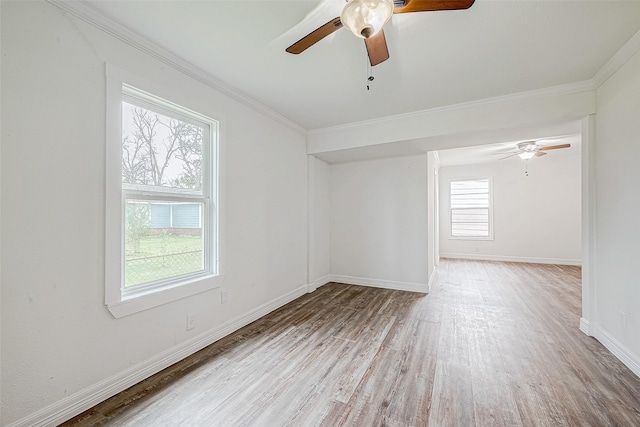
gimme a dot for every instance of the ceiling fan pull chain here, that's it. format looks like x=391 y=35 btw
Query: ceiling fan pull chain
x=369 y=73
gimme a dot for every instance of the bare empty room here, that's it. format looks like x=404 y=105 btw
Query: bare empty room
x=263 y=213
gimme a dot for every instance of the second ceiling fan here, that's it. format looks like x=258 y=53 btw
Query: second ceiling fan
x=529 y=149
x=365 y=19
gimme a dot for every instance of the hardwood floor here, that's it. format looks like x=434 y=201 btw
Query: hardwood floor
x=494 y=344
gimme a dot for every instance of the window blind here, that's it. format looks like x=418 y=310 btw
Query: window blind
x=470 y=208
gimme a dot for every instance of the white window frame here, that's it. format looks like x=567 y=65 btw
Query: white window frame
x=490 y=208
x=122 y=86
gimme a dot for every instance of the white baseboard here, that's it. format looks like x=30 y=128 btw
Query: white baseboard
x=532 y=260
x=632 y=361
x=432 y=278
x=76 y=403
x=376 y=283
x=586 y=327
x=318 y=283
x=626 y=356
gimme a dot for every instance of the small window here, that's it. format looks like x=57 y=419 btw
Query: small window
x=162 y=200
x=471 y=209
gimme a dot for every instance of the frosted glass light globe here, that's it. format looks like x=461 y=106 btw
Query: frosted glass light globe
x=366 y=17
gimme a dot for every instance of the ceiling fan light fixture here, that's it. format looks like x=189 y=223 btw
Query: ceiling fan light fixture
x=527 y=155
x=365 y=18
x=528 y=146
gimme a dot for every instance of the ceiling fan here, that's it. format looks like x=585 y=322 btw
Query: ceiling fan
x=365 y=19
x=530 y=149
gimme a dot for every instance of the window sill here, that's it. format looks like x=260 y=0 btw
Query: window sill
x=470 y=238
x=132 y=305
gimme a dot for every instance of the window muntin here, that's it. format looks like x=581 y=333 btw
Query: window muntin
x=470 y=207
x=168 y=167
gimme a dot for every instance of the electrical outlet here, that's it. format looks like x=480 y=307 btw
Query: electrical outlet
x=191 y=322
x=224 y=296
x=623 y=319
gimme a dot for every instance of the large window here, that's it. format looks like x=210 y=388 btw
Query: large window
x=162 y=215
x=470 y=203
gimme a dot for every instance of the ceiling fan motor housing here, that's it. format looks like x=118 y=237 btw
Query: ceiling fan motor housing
x=365 y=18
x=528 y=146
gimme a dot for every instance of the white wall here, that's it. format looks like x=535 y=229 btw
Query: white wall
x=58 y=338
x=319 y=222
x=617 y=289
x=379 y=222
x=536 y=217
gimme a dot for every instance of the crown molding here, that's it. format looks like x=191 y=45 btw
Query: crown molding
x=566 y=89
x=624 y=54
x=82 y=11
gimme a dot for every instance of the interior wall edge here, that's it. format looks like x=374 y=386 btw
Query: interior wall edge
x=311 y=218
x=506 y=258
x=624 y=54
x=432 y=277
x=586 y=326
x=321 y=281
x=380 y=283
x=622 y=352
x=588 y=208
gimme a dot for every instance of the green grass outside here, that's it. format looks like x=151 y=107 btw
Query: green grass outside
x=161 y=257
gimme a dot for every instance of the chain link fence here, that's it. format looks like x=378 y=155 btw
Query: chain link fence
x=157 y=267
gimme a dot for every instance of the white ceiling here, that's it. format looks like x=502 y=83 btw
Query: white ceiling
x=437 y=58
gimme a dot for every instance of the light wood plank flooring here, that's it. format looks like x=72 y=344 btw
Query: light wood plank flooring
x=494 y=344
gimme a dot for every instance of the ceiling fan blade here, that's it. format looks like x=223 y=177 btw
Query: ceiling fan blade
x=555 y=147
x=514 y=154
x=540 y=153
x=315 y=36
x=377 y=48
x=431 y=5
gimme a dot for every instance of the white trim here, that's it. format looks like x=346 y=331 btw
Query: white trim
x=632 y=361
x=432 y=277
x=625 y=53
x=619 y=350
x=126 y=306
x=87 y=14
x=586 y=327
x=311 y=218
x=588 y=222
x=318 y=283
x=377 y=283
x=75 y=404
x=119 y=303
x=505 y=258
